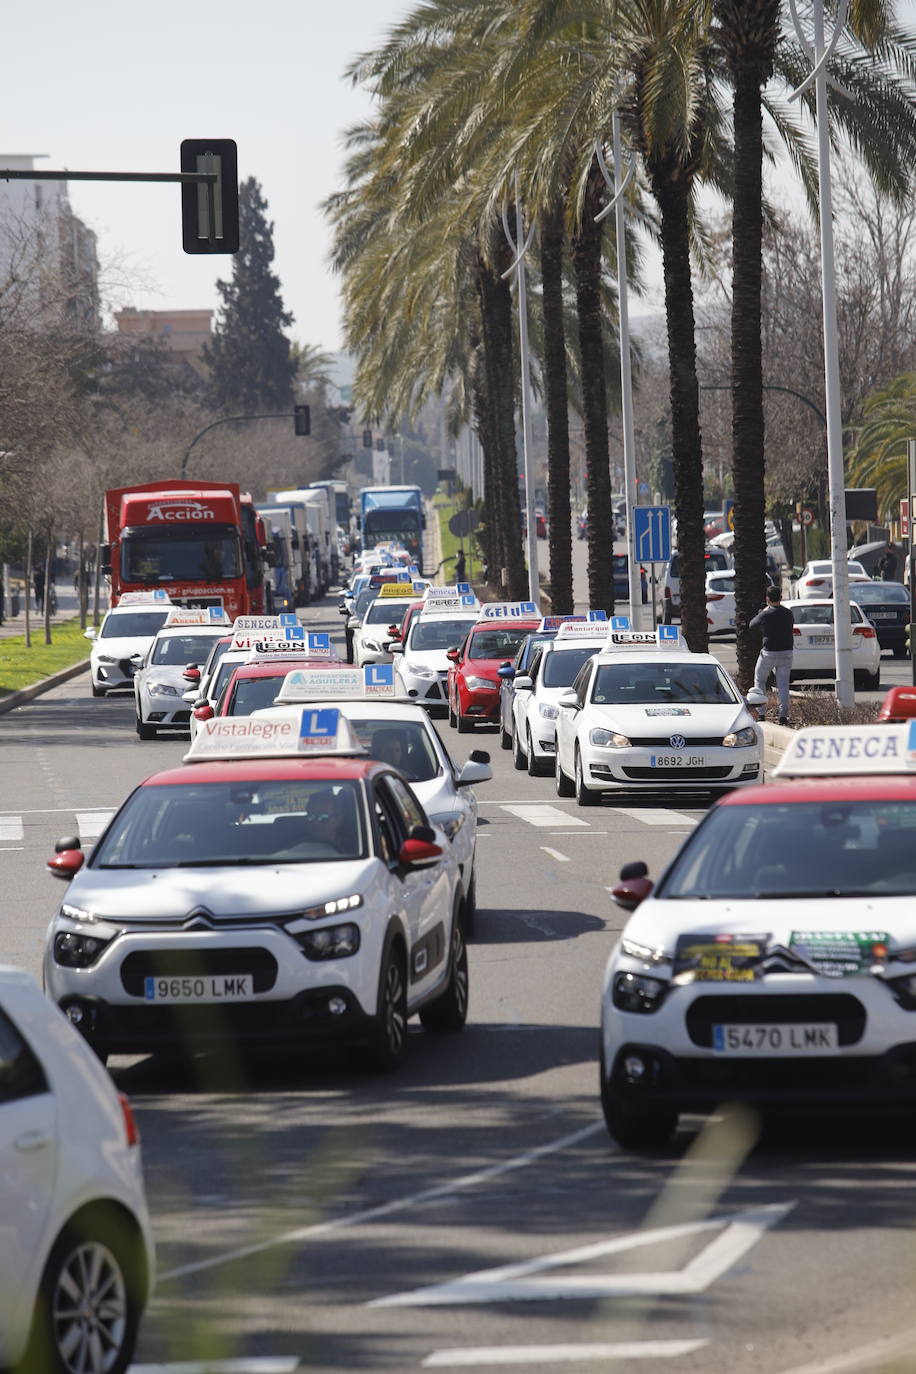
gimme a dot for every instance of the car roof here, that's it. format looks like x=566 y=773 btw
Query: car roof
x=280 y=666
x=861 y=787
x=218 y=631
x=143 y=607
x=650 y=654
x=276 y=768
x=528 y=625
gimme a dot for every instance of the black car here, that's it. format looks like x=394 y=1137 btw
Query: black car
x=622 y=579
x=887 y=606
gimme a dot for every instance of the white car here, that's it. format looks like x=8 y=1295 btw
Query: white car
x=420 y=661
x=371 y=638
x=647 y=717
x=280 y=887
x=773 y=960
x=401 y=734
x=554 y=668
x=816 y=580
x=127 y=630
x=160 y=684
x=720 y=602
x=76 y=1250
x=814 y=647
x=716 y=560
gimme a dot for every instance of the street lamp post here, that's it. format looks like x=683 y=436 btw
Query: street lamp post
x=519 y=246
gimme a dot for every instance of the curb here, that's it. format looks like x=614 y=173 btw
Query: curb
x=14 y=699
x=776 y=739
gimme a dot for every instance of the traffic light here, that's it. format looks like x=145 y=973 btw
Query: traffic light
x=302 y=420
x=210 y=213
x=367 y=438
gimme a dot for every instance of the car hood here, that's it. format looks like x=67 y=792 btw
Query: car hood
x=427 y=658
x=161 y=894
x=118 y=647
x=672 y=718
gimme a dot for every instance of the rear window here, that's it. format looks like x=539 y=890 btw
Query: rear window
x=713 y=559
x=878 y=593
x=818 y=614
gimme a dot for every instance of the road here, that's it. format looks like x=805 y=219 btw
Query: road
x=471 y=1212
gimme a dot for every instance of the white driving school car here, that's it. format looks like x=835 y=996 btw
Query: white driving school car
x=420 y=660
x=127 y=630
x=646 y=715
x=553 y=669
x=280 y=886
x=774 y=962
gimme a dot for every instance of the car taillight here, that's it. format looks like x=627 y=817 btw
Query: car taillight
x=668 y=593
x=131 y=1129
x=866 y=631
x=796 y=631
x=816 y=581
x=715 y=596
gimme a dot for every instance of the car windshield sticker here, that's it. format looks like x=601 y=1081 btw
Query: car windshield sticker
x=719 y=958
x=840 y=953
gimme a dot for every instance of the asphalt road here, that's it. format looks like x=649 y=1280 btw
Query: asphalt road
x=471 y=1212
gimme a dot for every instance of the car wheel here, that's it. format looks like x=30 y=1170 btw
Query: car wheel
x=464 y=725
x=629 y=1126
x=89 y=1303
x=873 y=681
x=505 y=736
x=470 y=907
x=563 y=784
x=146 y=731
x=452 y=718
x=534 y=768
x=388 y=1037
x=98 y=691
x=450 y=1011
x=518 y=754
x=584 y=796
x=899 y=651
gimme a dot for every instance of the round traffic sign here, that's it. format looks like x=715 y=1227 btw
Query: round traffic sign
x=807 y=516
x=463 y=522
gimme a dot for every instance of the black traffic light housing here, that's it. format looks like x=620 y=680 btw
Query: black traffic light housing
x=210 y=213
x=367 y=438
x=302 y=420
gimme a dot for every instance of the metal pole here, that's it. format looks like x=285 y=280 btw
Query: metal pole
x=534 y=586
x=626 y=386
x=911 y=493
x=845 y=689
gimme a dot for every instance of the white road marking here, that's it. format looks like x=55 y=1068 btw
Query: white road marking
x=56 y=811
x=320 y=1229
x=559 y=1354
x=657 y=816
x=541 y=814
x=555 y=854
x=10 y=828
x=586 y=835
x=255 y=1364
x=512 y=1282
x=864 y=1359
x=12 y=849
x=90 y=824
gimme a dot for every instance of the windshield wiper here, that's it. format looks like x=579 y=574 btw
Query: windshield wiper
x=219 y=863
x=806 y=892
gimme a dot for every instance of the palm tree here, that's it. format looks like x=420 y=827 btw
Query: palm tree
x=877 y=453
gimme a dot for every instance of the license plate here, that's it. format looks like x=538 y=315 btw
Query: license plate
x=236 y=987
x=821 y=639
x=810 y=1038
x=678 y=760
x=883 y=615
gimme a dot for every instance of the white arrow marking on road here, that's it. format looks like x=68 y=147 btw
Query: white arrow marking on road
x=559 y=1354
x=511 y=1282
x=657 y=816
x=543 y=815
x=90 y=824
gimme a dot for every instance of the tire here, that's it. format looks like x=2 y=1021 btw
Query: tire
x=98 y=691
x=448 y=1013
x=146 y=731
x=86 y=1263
x=534 y=768
x=900 y=651
x=452 y=718
x=464 y=725
x=564 y=785
x=388 y=1037
x=519 y=761
x=630 y=1127
x=872 y=681
x=470 y=907
x=584 y=797
x=505 y=736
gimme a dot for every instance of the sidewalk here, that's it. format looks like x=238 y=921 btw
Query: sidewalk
x=67 y=609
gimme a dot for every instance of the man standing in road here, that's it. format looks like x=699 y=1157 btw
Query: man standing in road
x=459 y=566
x=887 y=565
x=776 y=627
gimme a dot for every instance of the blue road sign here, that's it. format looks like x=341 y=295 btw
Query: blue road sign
x=652 y=533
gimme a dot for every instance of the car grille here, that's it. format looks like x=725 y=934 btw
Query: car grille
x=126 y=668
x=664 y=741
x=181 y=717
x=694 y=774
x=840 y=1009
x=198 y=963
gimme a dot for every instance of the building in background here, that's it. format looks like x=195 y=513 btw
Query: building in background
x=182 y=332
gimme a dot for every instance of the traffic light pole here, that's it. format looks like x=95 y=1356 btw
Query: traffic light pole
x=230 y=420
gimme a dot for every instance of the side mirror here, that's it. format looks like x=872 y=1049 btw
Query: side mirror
x=524 y=683
x=568 y=699
x=636 y=869
x=506 y=672
x=192 y=696
x=394 y=646
x=191 y=673
x=68 y=858
x=479 y=756
x=416 y=853
x=204 y=712
x=473 y=772
x=453 y=655
x=136 y=658
x=394 y=631
x=628 y=895
x=90 y=633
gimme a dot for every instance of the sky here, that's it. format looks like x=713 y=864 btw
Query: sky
x=102 y=86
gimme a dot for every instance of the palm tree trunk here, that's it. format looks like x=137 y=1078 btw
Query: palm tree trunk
x=672 y=194
x=496 y=310
x=559 y=508
x=586 y=251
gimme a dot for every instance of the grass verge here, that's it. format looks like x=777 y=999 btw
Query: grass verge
x=20 y=667
x=446 y=507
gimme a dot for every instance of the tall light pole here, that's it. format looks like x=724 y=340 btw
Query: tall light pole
x=842 y=628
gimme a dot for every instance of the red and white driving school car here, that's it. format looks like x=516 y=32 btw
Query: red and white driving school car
x=473 y=682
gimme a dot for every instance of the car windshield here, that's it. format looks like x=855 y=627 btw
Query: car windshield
x=405 y=744
x=132 y=624
x=559 y=668
x=190 y=825
x=182 y=556
x=387 y=611
x=815 y=613
x=654 y=684
x=178 y=650
x=255 y=693
x=878 y=593
x=501 y=643
x=797 y=850
x=437 y=633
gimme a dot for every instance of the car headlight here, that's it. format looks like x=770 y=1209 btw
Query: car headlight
x=162 y=689
x=330 y=942
x=647 y=954
x=608 y=739
x=481 y=684
x=547 y=711
x=106 y=658
x=635 y=992
x=77 y=951
x=334 y=907
x=741 y=739
x=373 y=645
x=450 y=823
x=426 y=674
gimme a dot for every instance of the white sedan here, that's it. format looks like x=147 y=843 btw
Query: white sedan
x=371 y=637
x=76 y=1251
x=421 y=663
x=127 y=630
x=814 y=648
x=816 y=580
x=720 y=602
x=648 y=718
x=553 y=670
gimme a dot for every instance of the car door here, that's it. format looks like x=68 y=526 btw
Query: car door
x=28 y=1170
x=522 y=701
x=426 y=891
x=568 y=720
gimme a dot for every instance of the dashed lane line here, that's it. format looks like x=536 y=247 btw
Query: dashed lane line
x=527 y=1355
x=555 y=854
x=542 y=815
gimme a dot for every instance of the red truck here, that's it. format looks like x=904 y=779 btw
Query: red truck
x=187 y=538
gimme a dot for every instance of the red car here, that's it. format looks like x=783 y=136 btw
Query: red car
x=473 y=686
x=254 y=686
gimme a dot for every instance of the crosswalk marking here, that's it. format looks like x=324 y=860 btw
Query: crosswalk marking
x=657 y=816
x=90 y=824
x=541 y=814
x=10 y=828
